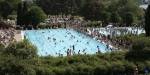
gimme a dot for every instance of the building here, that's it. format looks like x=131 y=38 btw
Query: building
x=145 y=1
x=144 y=4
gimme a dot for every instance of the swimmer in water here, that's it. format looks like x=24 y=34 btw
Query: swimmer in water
x=73 y=47
x=87 y=42
x=79 y=52
x=49 y=38
x=67 y=52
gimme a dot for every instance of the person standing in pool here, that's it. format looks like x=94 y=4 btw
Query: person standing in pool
x=98 y=50
x=88 y=43
x=98 y=47
x=73 y=47
x=49 y=38
x=79 y=52
x=107 y=46
x=67 y=52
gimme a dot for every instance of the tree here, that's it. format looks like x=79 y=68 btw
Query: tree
x=56 y=7
x=115 y=18
x=36 y=15
x=147 y=21
x=29 y=14
x=140 y=49
x=125 y=12
x=129 y=11
x=19 y=14
x=6 y=9
x=93 y=10
x=14 y=3
x=22 y=11
x=71 y=7
x=128 y=19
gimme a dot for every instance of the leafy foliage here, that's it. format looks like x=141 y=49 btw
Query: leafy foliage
x=36 y=15
x=147 y=22
x=29 y=14
x=23 y=50
x=21 y=59
x=120 y=12
x=140 y=49
x=7 y=7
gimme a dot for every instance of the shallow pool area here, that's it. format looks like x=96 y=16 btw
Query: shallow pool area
x=56 y=41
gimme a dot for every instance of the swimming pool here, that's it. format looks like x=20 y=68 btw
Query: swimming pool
x=55 y=41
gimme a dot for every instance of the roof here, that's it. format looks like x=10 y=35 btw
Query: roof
x=144 y=6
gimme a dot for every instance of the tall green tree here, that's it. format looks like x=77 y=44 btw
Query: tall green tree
x=129 y=11
x=128 y=19
x=14 y=3
x=93 y=10
x=52 y=7
x=6 y=9
x=115 y=18
x=29 y=14
x=22 y=11
x=35 y=16
x=19 y=14
x=147 y=21
x=56 y=7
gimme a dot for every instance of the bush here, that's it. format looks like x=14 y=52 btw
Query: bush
x=2 y=47
x=20 y=59
x=44 y=71
x=101 y=70
x=22 y=49
x=69 y=71
x=12 y=66
x=84 y=69
x=129 y=67
x=118 y=67
x=140 y=49
x=58 y=71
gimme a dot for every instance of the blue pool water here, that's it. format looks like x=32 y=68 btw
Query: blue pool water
x=54 y=41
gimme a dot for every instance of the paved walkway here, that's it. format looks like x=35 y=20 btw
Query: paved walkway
x=18 y=36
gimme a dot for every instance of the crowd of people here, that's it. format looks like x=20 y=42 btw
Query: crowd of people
x=96 y=35
x=64 y=21
x=123 y=43
x=6 y=36
x=7 y=32
x=107 y=35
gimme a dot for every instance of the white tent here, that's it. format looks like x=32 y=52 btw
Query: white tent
x=109 y=26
